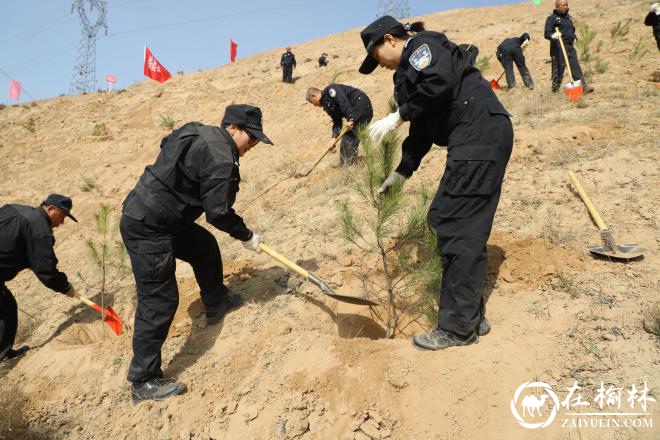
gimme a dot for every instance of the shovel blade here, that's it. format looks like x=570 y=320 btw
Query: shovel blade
x=111 y=318
x=573 y=90
x=362 y=301
x=620 y=252
x=494 y=84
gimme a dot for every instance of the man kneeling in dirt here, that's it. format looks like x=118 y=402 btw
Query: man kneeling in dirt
x=341 y=101
x=196 y=171
x=26 y=241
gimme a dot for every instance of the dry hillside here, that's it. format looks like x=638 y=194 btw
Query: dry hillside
x=293 y=364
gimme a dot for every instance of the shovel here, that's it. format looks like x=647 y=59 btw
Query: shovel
x=572 y=89
x=310 y=276
x=332 y=147
x=609 y=249
x=109 y=316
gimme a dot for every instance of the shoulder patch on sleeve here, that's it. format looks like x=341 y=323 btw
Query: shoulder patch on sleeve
x=332 y=93
x=421 y=57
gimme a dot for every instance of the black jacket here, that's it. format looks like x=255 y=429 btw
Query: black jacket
x=342 y=101
x=509 y=45
x=435 y=84
x=565 y=25
x=195 y=172
x=26 y=241
x=288 y=59
x=652 y=20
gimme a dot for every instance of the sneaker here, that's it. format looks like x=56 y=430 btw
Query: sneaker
x=156 y=388
x=587 y=89
x=231 y=302
x=484 y=327
x=439 y=339
x=13 y=354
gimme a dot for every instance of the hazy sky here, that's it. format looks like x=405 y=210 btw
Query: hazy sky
x=40 y=38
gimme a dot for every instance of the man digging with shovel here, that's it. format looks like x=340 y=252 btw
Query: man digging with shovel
x=561 y=19
x=340 y=101
x=26 y=241
x=196 y=171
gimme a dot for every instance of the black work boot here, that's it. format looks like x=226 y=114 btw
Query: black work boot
x=155 y=388
x=439 y=339
x=231 y=302
x=484 y=327
x=586 y=88
x=13 y=354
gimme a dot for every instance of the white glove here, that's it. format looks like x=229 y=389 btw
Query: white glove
x=379 y=129
x=253 y=243
x=392 y=179
x=655 y=7
x=556 y=36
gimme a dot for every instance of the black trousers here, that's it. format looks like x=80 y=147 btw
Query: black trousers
x=153 y=253
x=287 y=73
x=462 y=213
x=511 y=56
x=348 y=150
x=559 y=65
x=8 y=319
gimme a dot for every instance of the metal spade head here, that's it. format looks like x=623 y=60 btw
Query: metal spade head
x=610 y=249
x=620 y=252
x=361 y=301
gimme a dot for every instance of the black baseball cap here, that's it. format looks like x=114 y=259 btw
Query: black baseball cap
x=371 y=35
x=247 y=117
x=62 y=202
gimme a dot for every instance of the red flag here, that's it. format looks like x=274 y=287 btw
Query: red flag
x=232 y=50
x=153 y=69
x=14 y=90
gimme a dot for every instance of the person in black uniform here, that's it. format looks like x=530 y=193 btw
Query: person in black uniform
x=509 y=52
x=560 y=18
x=288 y=63
x=652 y=20
x=342 y=101
x=447 y=102
x=196 y=171
x=323 y=60
x=26 y=241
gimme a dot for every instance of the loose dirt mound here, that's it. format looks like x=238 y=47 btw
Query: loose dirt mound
x=294 y=364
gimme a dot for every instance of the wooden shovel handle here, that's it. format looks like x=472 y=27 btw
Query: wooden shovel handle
x=84 y=299
x=587 y=201
x=285 y=261
x=563 y=49
x=337 y=139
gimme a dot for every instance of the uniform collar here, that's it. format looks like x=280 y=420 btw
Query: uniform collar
x=44 y=216
x=231 y=143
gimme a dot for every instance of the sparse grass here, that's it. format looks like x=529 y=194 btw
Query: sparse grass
x=563 y=155
x=87 y=184
x=30 y=125
x=483 y=63
x=335 y=76
x=99 y=129
x=551 y=229
x=638 y=51
x=167 y=122
x=601 y=65
x=392 y=106
x=651 y=321
x=619 y=31
x=566 y=284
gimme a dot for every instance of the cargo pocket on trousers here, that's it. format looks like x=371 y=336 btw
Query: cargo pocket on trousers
x=156 y=260
x=471 y=171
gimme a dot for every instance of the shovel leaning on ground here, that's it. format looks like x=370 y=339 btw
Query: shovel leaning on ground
x=609 y=249
x=310 y=276
x=109 y=316
x=574 y=88
x=332 y=147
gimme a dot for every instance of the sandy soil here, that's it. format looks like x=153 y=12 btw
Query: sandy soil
x=294 y=364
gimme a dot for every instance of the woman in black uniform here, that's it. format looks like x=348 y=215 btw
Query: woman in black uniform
x=447 y=102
